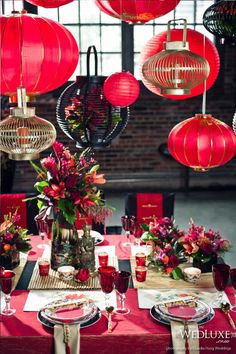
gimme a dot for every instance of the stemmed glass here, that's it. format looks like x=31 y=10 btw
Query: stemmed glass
x=220 y=274
x=121 y=280
x=106 y=279
x=137 y=229
x=7 y=278
x=127 y=225
x=42 y=229
x=233 y=282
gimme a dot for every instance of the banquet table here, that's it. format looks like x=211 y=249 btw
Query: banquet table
x=22 y=333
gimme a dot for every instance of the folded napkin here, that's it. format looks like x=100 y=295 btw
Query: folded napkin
x=67 y=339
x=183 y=334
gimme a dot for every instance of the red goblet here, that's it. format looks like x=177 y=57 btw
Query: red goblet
x=220 y=274
x=233 y=282
x=127 y=225
x=121 y=281
x=106 y=279
x=137 y=229
x=7 y=278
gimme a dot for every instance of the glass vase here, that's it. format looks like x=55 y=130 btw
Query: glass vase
x=64 y=240
x=206 y=267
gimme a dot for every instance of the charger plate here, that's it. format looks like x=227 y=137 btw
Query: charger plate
x=158 y=317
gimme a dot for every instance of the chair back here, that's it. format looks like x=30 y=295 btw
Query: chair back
x=150 y=205
x=26 y=209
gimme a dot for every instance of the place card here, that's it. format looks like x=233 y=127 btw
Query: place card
x=147 y=298
x=37 y=299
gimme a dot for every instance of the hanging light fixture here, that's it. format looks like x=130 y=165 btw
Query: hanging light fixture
x=49 y=3
x=36 y=53
x=220 y=20
x=198 y=44
x=121 y=89
x=202 y=142
x=23 y=135
x=136 y=11
x=85 y=115
x=176 y=70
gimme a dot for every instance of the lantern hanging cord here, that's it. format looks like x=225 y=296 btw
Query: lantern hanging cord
x=13 y=5
x=204 y=90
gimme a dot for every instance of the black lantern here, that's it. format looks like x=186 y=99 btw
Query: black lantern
x=220 y=20
x=84 y=114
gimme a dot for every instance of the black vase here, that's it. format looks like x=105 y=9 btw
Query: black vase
x=205 y=267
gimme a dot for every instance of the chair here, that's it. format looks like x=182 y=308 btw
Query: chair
x=148 y=205
x=26 y=209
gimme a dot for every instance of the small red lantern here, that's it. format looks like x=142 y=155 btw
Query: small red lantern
x=36 y=53
x=49 y=3
x=121 y=89
x=202 y=142
x=198 y=44
x=136 y=11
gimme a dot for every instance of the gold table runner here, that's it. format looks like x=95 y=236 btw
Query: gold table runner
x=52 y=281
x=155 y=280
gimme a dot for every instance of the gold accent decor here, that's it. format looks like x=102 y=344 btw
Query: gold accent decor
x=149 y=205
x=23 y=135
x=176 y=69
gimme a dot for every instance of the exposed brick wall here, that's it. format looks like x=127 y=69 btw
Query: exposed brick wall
x=134 y=154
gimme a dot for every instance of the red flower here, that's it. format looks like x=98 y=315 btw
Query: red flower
x=50 y=164
x=55 y=191
x=174 y=261
x=58 y=148
x=71 y=182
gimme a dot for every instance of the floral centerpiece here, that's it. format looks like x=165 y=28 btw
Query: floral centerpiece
x=13 y=239
x=68 y=183
x=166 y=252
x=203 y=246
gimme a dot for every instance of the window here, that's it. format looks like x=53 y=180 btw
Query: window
x=118 y=44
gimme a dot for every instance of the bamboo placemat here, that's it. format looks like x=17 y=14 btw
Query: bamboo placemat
x=155 y=280
x=52 y=281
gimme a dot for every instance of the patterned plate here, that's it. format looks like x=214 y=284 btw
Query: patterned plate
x=85 y=324
x=156 y=316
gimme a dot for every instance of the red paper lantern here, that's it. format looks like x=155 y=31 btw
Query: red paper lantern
x=121 y=89
x=136 y=11
x=36 y=53
x=198 y=44
x=202 y=142
x=49 y=3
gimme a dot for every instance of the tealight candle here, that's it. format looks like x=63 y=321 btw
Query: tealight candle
x=140 y=273
x=191 y=274
x=103 y=259
x=44 y=266
x=66 y=272
x=140 y=259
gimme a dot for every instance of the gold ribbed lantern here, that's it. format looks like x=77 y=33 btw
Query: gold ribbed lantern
x=176 y=70
x=23 y=135
x=234 y=122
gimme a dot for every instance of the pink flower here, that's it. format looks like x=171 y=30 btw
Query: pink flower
x=50 y=164
x=58 y=148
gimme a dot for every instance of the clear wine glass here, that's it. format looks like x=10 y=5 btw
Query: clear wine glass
x=121 y=281
x=220 y=273
x=42 y=230
x=137 y=229
x=127 y=225
x=7 y=278
x=106 y=280
x=233 y=282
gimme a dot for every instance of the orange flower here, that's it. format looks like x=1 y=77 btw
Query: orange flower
x=5 y=225
x=7 y=247
x=168 y=269
x=98 y=179
x=165 y=259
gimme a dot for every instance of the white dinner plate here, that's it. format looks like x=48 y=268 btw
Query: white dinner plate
x=156 y=316
x=98 y=237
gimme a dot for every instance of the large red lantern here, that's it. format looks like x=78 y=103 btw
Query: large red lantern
x=136 y=11
x=49 y=3
x=202 y=142
x=198 y=44
x=121 y=89
x=36 y=53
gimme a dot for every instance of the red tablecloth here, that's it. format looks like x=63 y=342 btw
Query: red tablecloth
x=136 y=332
